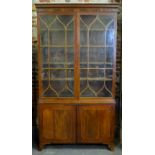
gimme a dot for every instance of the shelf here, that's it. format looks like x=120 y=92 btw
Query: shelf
x=95 y=46
x=73 y=68
x=59 y=63
x=56 y=46
x=71 y=63
x=97 y=30
x=57 y=68
x=73 y=29
x=81 y=79
x=97 y=63
x=72 y=46
x=96 y=68
x=56 y=29
x=97 y=79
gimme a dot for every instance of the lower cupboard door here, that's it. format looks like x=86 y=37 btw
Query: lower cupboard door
x=95 y=123
x=58 y=123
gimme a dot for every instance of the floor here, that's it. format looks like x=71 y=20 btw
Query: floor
x=73 y=149
x=76 y=150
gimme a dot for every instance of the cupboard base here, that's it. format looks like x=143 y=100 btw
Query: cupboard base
x=82 y=124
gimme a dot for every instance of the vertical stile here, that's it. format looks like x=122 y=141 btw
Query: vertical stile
x=114 y=57
x=39 y=56
x=77 y=54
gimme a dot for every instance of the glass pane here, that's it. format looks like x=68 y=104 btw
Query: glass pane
x=47 y=91
x=57 y=51
x=45 y=74
x=85 y=92
x=96 y=88
x=65 y=19
x=83 y=37
x=83 y=25
x=57 y=74
x=97 y=25
x=109 y=73
x=57 y=38
x=59 y=81
x=57 y=55
x=111 y=25
x=110 y=54
x=96 y=55
x=56 y=24
x=57 y=89
x=44 y=55
x=70 y=39
x=44 y=37
x=106 y=19
x=58 y=85
x=47 y=20
x=87 y=20
x=93 y=74
x=97 y=38
x=59 y=59
x=70 y=57
x=43 y=25
x=106 y=90
x=110 y=37
x=83 y=57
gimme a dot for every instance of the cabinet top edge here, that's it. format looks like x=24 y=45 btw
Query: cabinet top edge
x=79 y=5
x=80 y=101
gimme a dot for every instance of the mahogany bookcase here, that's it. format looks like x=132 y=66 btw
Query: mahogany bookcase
x=77 y=69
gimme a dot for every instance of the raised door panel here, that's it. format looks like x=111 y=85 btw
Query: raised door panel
x=95 y=124
x=58 y=123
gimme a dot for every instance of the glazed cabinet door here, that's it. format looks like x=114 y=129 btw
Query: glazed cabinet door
x=95 y=124
x=58 y=123
x=97 y=55
x=56 y=55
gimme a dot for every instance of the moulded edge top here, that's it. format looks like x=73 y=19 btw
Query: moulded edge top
x=77 y=5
